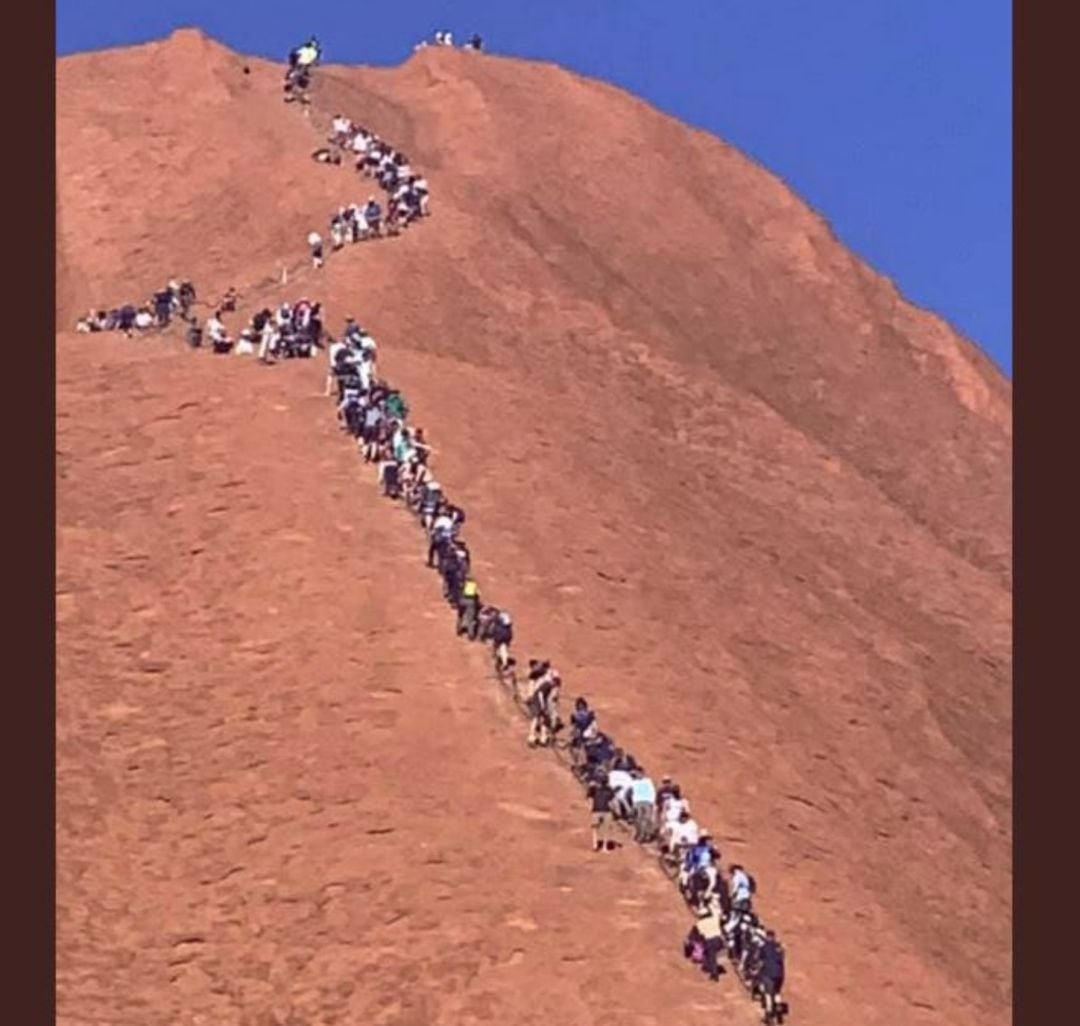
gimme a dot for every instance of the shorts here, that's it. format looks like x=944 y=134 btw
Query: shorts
x=600 y=818
x=769 y=986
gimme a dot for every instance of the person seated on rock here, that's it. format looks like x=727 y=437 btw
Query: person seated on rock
x=474 y=42
x=219 y=337
x=144 y=319
x=769 y=977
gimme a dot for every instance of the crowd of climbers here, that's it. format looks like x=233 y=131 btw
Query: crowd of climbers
x=619 y=789
x=407 y=193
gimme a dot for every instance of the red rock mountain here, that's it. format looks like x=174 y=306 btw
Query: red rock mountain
x=750 y=500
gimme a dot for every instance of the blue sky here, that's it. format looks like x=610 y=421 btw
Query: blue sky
x=893 y=118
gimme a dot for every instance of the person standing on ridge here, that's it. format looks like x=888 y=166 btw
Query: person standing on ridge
x=315 y=242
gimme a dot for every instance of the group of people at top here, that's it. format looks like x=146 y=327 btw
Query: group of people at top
x=617 y=785
x=445 y=38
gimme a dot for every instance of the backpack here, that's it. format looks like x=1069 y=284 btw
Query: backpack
x=753 y=884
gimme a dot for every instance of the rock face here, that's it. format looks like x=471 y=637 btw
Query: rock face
x=750 y=501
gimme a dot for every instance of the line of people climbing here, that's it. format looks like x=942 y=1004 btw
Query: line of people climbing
x=618 y=788
x=407 y=191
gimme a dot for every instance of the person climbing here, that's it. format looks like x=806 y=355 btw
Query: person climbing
x=583 y=730
x=315 y=243
x=742 y=888
x=769 y=978
x=708 y=933
x=622 y=786
x=390 y=474
x=599 y=795
x=542 y=704
x=469 y=608
x=643 y=793
x=502 y=636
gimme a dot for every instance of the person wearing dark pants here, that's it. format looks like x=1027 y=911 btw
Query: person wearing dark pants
x=770 y=978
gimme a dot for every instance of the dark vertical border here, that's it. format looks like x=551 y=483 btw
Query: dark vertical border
x=29 y=511
x=1046 y=380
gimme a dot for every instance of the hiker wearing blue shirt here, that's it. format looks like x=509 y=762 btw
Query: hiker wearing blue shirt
x=643 y=795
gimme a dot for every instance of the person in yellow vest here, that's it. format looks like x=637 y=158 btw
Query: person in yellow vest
x=469 y=609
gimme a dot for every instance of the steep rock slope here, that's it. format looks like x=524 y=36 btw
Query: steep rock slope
x=752 y=502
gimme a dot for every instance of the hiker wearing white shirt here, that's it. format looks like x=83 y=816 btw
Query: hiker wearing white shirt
x=621 y=784
x=315 y=241
x=342 y=128
x=442 y=530
x=741 y=889
x=683 y=833
x=267 y=340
